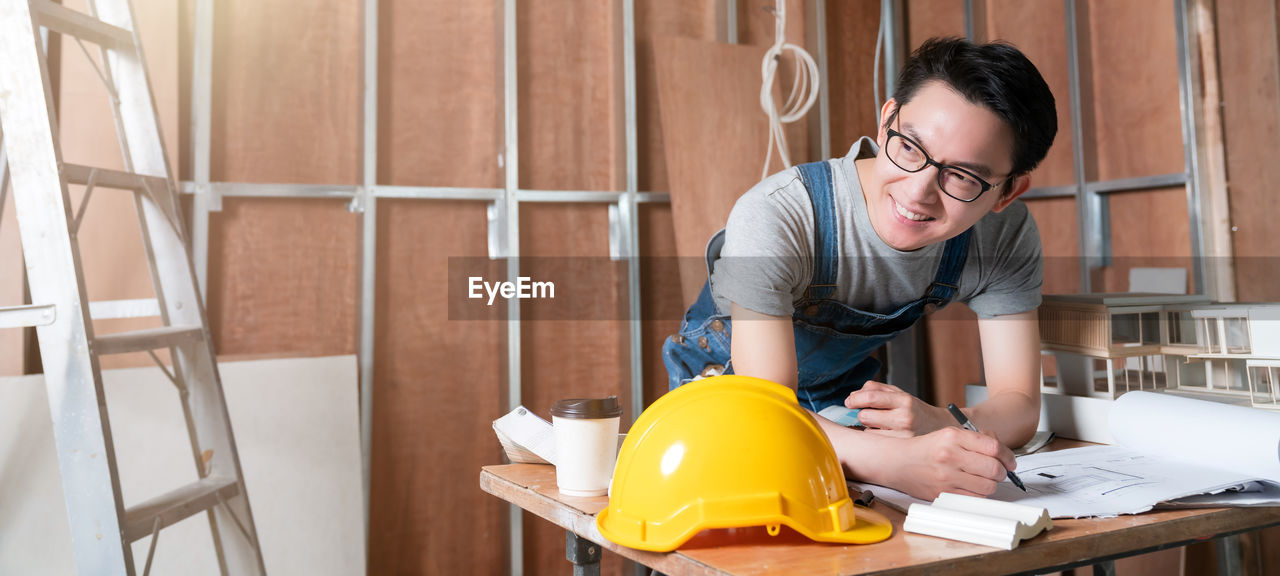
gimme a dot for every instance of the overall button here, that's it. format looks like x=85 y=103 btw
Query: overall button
x=811 y=310
x=702 y=343
x=930 y=308
x=717 y=325
x=678 y=339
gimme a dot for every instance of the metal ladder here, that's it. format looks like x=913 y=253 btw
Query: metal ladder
x=102 y=528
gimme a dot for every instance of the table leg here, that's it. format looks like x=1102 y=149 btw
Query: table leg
x=1229 y=555
x=583 y=553
x=1105 y=568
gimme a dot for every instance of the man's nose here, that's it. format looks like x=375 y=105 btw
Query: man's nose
x=923 y=187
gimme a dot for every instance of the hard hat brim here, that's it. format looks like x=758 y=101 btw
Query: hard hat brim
x=869 y=527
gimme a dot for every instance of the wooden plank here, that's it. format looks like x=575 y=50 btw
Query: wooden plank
x=927 y=19
x=584 y=357
x=285 y=92
x=1038 y=30
x=533 y=486
x=1250 y=68
x=1148 y=229
x=711 y=158
x=1056 y=220
x=657 y=19
x=851 y=33
x=570 y=90
x=1134 y=99
x=462 y=77
x=282 y=277
x=454 y=91
x=439 y=386
x=954 y=353
x=661 y=304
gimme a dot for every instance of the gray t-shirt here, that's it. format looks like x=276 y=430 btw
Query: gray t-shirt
x=767 y=259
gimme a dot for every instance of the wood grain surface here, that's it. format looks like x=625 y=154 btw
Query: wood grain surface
x=533 y=488
x=1250 y=68
x=438 y=386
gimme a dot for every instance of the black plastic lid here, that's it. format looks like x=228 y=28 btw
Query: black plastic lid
x=587 y=408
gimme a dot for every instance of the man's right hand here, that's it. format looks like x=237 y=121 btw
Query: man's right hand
x=947 y=460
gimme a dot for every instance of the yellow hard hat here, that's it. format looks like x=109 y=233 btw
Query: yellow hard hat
x=727 y=452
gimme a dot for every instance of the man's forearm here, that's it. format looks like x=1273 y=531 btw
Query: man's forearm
x=856 y=450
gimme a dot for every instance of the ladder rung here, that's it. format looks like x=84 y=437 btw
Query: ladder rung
x=29 y=315
x=172 y=507
x=77 y=174
x=141 y=308
x=67 y=21
x=150 y=339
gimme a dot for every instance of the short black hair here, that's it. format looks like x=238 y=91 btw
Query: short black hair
x=996 y=76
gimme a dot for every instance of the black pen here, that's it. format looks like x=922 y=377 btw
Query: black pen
x=967 y=425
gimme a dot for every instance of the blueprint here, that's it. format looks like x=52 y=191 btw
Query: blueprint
x=1169 y=448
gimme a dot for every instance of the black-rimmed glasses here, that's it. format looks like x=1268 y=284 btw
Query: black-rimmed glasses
x=954 y=181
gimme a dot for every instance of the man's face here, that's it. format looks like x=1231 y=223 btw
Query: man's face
x=909 y=210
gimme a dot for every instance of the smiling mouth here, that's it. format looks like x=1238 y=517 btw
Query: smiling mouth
x=909 y=215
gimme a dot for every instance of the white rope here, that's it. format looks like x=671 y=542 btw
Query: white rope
x=804 y=88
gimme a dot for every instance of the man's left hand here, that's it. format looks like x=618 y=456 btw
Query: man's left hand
x=888 y=409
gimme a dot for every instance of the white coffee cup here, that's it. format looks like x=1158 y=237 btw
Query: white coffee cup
x=586 y=444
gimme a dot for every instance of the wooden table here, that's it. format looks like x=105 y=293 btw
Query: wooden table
x=750 y=551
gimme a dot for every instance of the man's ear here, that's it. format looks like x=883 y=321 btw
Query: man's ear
x=1013 y=189
x=882 y=134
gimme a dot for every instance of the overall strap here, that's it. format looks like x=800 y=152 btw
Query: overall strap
x=817 y=180
x=946 y=281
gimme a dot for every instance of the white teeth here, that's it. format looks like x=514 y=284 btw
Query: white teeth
x=909 y=214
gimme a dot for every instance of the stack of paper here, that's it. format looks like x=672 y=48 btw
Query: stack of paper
x=977 y=520
x=525 y=437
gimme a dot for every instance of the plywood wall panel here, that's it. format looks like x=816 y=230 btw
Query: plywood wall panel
x=851 y=38
x=286 y=79
x=440 y=93
x=953 y=352
x=579 y=358
x=284 y=277
x=1038 y=29
x=285 y=86
x=570 y=90
x=656 y=19
x=1250 y=74
x=1059 y=242
x=1148 y=229
x=570 y=95
x=439 y=384
x=925 y=19
x=1134 y=98
x=661 y=304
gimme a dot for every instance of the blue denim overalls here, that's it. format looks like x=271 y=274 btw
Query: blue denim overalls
x=833 y=340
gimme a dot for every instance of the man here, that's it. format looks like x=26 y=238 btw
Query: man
x=820 y=264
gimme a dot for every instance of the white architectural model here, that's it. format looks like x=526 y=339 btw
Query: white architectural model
x=1104 y=345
